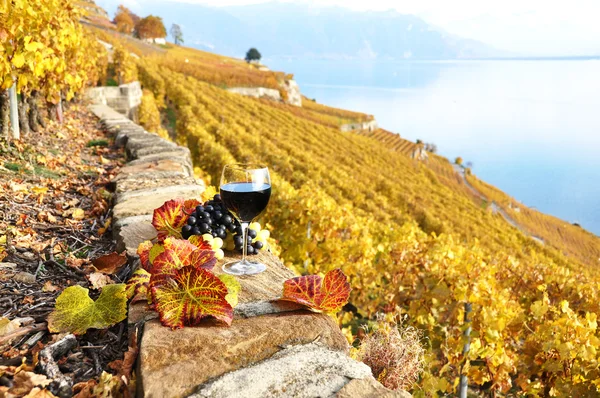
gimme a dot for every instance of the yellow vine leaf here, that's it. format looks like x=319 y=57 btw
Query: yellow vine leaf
x=233 y=288
x=76 y=312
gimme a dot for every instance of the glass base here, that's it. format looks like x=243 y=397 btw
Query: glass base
x=243 y=268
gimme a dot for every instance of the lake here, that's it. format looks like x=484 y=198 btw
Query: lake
x=531 y=128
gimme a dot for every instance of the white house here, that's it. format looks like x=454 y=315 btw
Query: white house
x=156 y=40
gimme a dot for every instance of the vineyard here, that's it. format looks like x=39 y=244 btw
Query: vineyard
x=414 y=241
x=411 y=237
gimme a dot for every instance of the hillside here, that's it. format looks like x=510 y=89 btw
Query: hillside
x=412 y=236
x=288 y=29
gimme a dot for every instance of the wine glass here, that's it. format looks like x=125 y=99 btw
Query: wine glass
x=245 y=192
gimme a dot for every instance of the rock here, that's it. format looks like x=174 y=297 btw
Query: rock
x=152 y=175
x=142 y=168
x=192 y=190
x=369 y=388
x=172 y=363
x=182 y=158
x=135 y=184
x=140 y=205
x=305 y=371
x=257 y=92
x=24 y=277
x=266 y=286
x=293 y=93
x=257 y=308
x=148 y=152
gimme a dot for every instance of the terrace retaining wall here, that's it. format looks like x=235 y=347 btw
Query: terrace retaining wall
x=272 y=349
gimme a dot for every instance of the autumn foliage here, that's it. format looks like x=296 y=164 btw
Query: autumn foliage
x=150 y=27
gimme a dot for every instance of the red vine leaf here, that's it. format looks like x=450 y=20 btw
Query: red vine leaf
x=170 y=218
x=179 y=253
x=138 y=283
x=190 y=205
x=199 y=242
x=144 y=252
x=188 y=295
x=327 y=294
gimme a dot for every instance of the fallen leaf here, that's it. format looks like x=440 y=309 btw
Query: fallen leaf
x=49 y=287
x=7 y=326
x=110 y=263
x=39 y=393
x=18 y=187
x=78 y=214
x=28 y=300
x=39 y=190
x=99 y=280
x=188 y=295
x=329 y=294
x=75 y=312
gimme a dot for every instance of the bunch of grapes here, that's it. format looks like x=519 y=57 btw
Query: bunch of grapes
x=213 y=219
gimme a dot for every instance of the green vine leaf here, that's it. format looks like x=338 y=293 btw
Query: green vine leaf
x=75 y=312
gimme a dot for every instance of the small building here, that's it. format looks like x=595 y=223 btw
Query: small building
x=156 y=40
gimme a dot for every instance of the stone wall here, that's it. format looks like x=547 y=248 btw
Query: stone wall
x=125 y=98
x=294 y=97
x=369 y=126
x=257 y=92
x=272 y=349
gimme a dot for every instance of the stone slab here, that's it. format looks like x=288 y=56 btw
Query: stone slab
x=369 y=388
x=176 y=152
x=134 y=184
x=146 y=204
x=172 y=363
x=177 y=157
x=142 y=170
x=194 y=190
x=306 y=371
x=152 y=174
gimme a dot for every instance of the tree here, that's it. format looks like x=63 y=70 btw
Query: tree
x=253 y=55
x=458 y=161
x=177 y=34
x=151 y=27
x=123 y=20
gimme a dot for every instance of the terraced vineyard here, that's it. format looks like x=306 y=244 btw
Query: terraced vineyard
x=409 y=233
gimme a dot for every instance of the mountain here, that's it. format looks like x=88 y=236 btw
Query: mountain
x=299 y=30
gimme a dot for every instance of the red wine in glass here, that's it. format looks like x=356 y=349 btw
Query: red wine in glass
x=245 y=191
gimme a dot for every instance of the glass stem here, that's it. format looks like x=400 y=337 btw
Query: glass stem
x=245 y=240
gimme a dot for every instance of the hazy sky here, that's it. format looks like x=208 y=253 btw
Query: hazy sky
x=524 y=26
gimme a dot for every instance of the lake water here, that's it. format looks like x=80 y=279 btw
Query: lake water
x=531 y=128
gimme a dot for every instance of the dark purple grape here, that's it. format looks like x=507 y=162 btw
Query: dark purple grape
x=204 y=227
x=192 y=220
x=258 y=245
x=231 y=228
x=252 y=233
x=209 y=208
x=222 y=234
x=199 y=209
x=215 y=234
x=204 y=215
x=226 y=219
x=249 y=250
x=186 y=231
x=196 y=231
x=238 y=240
x=238 y=229
x=217 y=198
x=217 y=214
